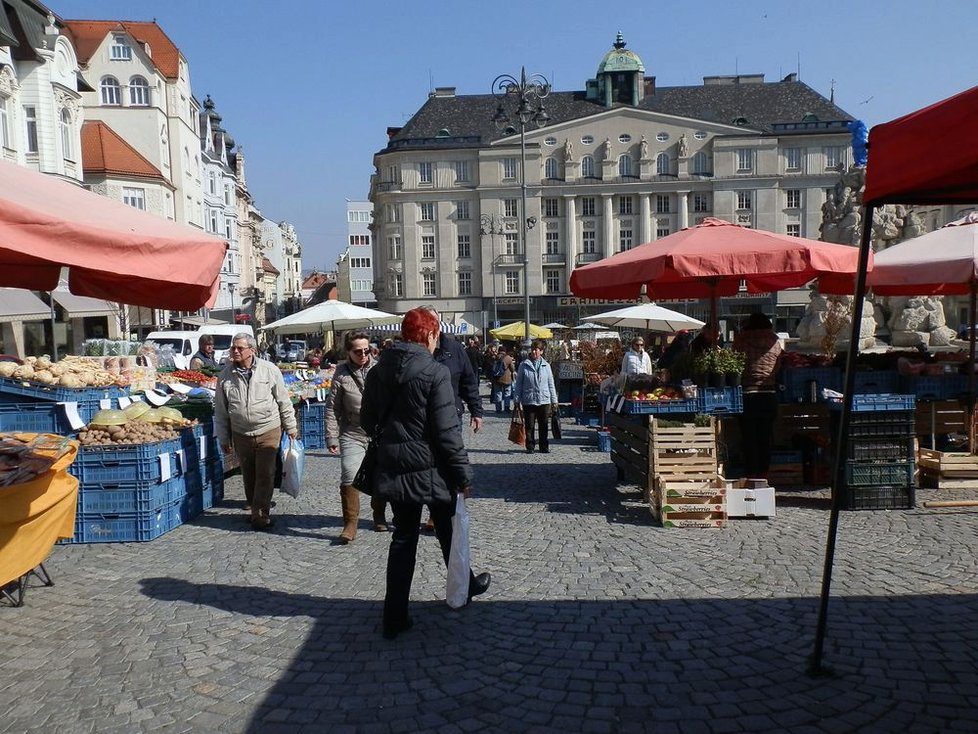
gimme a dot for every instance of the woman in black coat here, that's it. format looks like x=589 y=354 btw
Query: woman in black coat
x=420 y=456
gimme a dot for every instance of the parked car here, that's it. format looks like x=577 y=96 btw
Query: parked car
x=296 y=351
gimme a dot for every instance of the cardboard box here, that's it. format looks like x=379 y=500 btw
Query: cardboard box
x=695 y=520
x=749 y=498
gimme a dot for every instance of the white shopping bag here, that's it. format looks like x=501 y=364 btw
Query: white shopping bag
x=457 y=592
x=293 y=458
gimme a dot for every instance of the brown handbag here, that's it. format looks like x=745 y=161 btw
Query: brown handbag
x=517 y=430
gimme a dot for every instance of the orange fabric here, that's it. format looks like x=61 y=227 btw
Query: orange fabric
x=113 y=251
x=34 y=515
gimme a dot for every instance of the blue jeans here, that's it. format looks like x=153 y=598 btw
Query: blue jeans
x=504 y=396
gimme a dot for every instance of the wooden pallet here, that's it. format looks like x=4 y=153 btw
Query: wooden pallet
x=929 y=480
x=948 y=464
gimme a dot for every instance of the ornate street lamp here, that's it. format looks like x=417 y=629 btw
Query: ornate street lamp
x=528 y=94
x=490 y=225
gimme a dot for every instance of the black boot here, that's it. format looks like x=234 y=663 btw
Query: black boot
x=479 y=584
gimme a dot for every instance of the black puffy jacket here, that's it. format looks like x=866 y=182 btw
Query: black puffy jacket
x=420 y=456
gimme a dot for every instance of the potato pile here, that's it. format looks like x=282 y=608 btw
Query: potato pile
x=134 y=432
x=77 y=372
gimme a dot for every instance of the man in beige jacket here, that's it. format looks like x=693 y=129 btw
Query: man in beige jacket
x=251 y=411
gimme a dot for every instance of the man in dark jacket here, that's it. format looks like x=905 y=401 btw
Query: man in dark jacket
x=465 y=383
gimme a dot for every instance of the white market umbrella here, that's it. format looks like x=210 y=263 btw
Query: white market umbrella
x=647 y=316
x=588 y=326
x=554 y=325
x=329 y=316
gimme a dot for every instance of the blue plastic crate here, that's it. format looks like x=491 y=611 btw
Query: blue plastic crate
x=721 y=400
x=126 y=528
x=934 y=387
x=128 y=498
x=604 y=440
x=878 y=381
x=654 y=407
x=883 y=403
x=314 y=442
x=34 y=417
x=116 y=464
x=55 y=393
x=796 y=381
x=779 y=456
x=191 y=506
x=312 y=414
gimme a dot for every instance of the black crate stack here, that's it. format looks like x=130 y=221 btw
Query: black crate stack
x=880 y=454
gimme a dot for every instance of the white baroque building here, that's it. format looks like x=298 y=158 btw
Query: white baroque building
x=621 y=162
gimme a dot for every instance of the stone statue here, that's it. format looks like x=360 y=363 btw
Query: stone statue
x=568 y=150
x=683 y=146
x=644 y=148
x=606 y=149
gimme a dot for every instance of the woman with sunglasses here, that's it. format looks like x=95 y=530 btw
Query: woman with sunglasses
x=345 y=436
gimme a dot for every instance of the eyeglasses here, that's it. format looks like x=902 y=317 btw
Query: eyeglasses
x=238 y=349
x=360 y=351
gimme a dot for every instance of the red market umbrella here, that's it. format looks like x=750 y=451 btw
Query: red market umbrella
x=112 y=251
x=712 y=259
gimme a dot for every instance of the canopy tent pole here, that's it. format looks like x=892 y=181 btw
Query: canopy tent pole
x=839 y=474
x=972 y=316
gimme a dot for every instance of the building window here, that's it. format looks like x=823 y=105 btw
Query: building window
x=551 y=207
x=212 y=182
x=745 y=160
x=360 y=285
x=745 y=200
x=428 y=247
x=701 y=203
x=67 y=134
x=588 y=207
x=551 y=141
x=428 y=287
x=512 y=243
x=427 y=211
x=662 y=137
x=625 y=204
x=624 y=138
x=662 y=167
x=509 y=169
x=359 y=262
x=464 y=245
x=510 y=208
x=461 y=210
x=359 y=239
x=5 y=124
x=30 y=116
x=662 y=203
x=794 y=230
x=465 y=284
x=552 y=278
x=461 y=171
x=792 y=159
x=624 y=165
x=587 y=139
x=227 y=193
x=120 y=50
x=833 y=158
x=552 y=168
x=661 y=231
x=136 y=198
x=394 y=247
x=111 y=92
x=396 y=285
x=587 y=167
x=701 y=164
x=213 y=221
x=138 y=92
x=792 y=198
x=589 y=241
x=393 y=213
x=624 y=239
x=425 y=172
x=512 y=282
x=553 y=243
x=228 y=229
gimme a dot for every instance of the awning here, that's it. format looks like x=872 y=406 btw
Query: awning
x=17 y=304
x=446 y=327
x=196 y=320
x=80 y=307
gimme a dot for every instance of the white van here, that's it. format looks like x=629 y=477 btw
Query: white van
x=223 y=334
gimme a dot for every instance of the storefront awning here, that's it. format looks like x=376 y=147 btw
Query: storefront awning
x=196 y=320
x=79 y=307
x=17 y=304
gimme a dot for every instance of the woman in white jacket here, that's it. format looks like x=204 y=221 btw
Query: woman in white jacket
x=534 y=389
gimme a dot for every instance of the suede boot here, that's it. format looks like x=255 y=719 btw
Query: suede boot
x=350 y=498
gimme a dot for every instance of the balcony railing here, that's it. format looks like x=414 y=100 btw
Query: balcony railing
x=554 y=258
x=509 y=260
x=587 y=257
x=385 y=186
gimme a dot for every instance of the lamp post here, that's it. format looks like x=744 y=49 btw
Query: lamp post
x=528 y=94
x=231 y=289
x=490 y=225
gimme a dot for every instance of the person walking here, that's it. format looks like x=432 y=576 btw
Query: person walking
x=410 y=404
x=636 y=360
x=251 y=411
x=763 y=350
x=502 y=380
x=346 y=437
x=535 y=391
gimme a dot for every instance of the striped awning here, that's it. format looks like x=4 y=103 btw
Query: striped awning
x=446 y=327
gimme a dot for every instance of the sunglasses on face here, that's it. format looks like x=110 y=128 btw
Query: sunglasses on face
x=361 y=352
x=238 y=349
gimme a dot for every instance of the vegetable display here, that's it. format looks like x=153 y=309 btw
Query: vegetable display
x=73 y=372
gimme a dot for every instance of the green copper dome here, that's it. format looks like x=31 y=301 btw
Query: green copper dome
x=620 y=59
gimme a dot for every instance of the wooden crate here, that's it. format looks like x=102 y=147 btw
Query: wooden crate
x=940 y=416
x=686 y=503
x=686 y=453
x=948 y=464
x=786 y=475
x=801 y=419
x=930 y=480
x=630 y=449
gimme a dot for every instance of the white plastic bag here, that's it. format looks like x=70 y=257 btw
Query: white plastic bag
x=457 y=591
x=293 y=458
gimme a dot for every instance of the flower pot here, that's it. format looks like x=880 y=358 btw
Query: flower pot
x=716 y=379
x=732 y=379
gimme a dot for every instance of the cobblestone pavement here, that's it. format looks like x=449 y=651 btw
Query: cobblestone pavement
x=597 y=620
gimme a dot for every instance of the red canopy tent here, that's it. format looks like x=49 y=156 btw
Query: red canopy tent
x=112 y=251
x=907 y=165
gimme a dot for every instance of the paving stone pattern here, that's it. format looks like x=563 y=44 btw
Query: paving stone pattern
x=597 y=619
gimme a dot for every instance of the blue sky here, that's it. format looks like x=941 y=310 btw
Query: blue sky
x=308 y=89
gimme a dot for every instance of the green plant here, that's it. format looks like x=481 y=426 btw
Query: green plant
x=705 y=362
x=730 y=362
